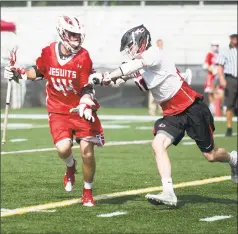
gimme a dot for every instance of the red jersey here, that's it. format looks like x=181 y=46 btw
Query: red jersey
x=210 y=60
x=184 y=98
x=65 y=77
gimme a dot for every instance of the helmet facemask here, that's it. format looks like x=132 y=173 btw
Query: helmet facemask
x=73 y=41
x=71 y=33
x=131 y=50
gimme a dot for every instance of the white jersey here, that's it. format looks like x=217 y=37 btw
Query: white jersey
x=160 y=74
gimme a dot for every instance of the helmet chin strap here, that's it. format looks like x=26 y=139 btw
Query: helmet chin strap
x=69 y=48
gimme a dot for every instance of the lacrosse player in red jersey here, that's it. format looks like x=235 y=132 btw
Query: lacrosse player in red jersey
x=70 y=100
x=183 y=108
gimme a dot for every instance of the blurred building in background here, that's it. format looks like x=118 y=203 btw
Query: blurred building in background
x=187 y=28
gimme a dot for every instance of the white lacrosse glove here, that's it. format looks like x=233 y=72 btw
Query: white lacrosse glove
x=85 y=109
x=139 y=81
x=95 y=78
x=100 y=79
x=13 y=73
x=119 y=82
x=106 y=79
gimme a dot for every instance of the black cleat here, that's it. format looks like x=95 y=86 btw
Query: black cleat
x=228 y=132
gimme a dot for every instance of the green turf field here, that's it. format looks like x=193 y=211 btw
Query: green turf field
x=33 y=178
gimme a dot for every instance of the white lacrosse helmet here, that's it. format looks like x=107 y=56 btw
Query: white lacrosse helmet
x=68 y=27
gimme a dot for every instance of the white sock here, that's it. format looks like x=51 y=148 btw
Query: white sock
x=88 y=185
x=233 y=159
x=69 y=161
x=167 y=185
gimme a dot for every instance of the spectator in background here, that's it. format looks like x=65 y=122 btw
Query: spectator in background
x=160 y=43
x=211 y=67
x=227 y=73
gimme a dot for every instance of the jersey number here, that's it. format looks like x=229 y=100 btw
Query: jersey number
x=62 y=86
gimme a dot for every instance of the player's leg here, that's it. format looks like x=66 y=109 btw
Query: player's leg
x=88 y=135
x=209 y=90
x=166 y=134
x=63 y=141
x=89 y=167
x=211 y=102
x=221 y=155
x=230 y=101
x=201 y=128
x=65 y=153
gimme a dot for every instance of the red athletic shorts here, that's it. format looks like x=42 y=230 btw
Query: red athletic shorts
x=64 y=127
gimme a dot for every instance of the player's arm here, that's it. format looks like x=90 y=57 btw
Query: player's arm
x=16 y=74
x=119 y=75
x=86 y=104
x=220 y=70
x=208 y=63
x=147 y=59
x=87 y=90
x=33 y=73
x=36 y=72
x=221 y=76
x=127 y=69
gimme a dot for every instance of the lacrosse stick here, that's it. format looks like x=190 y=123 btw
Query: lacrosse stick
x=11 y=62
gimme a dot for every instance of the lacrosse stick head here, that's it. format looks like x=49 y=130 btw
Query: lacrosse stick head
x=9 y=48
x=13 y=56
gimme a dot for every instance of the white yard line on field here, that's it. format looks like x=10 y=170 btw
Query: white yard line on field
x=189 y=143
x=116 y=213
x=3 y=210
x=110 y=143
x=21 y=126
x=215 y=218
x=53 y=205
x=44 y=211
x=18 y=140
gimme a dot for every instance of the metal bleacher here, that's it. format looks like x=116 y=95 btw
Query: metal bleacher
x=187 y=31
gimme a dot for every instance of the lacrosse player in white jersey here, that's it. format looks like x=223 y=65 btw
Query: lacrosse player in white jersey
x=183 y=108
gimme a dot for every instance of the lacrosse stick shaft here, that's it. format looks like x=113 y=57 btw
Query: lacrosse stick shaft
x=11 y=62
x=8 y=97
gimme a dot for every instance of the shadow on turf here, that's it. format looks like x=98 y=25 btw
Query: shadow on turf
x=118 y=200
x=183 y=199
x=193 y=199
x=124 y=199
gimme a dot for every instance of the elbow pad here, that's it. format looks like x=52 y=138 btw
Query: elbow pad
x=39 y=76
x=88 y=89
x=131 y=66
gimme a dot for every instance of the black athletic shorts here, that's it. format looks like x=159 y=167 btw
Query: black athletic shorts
x=196 y=120
x=231 y=92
